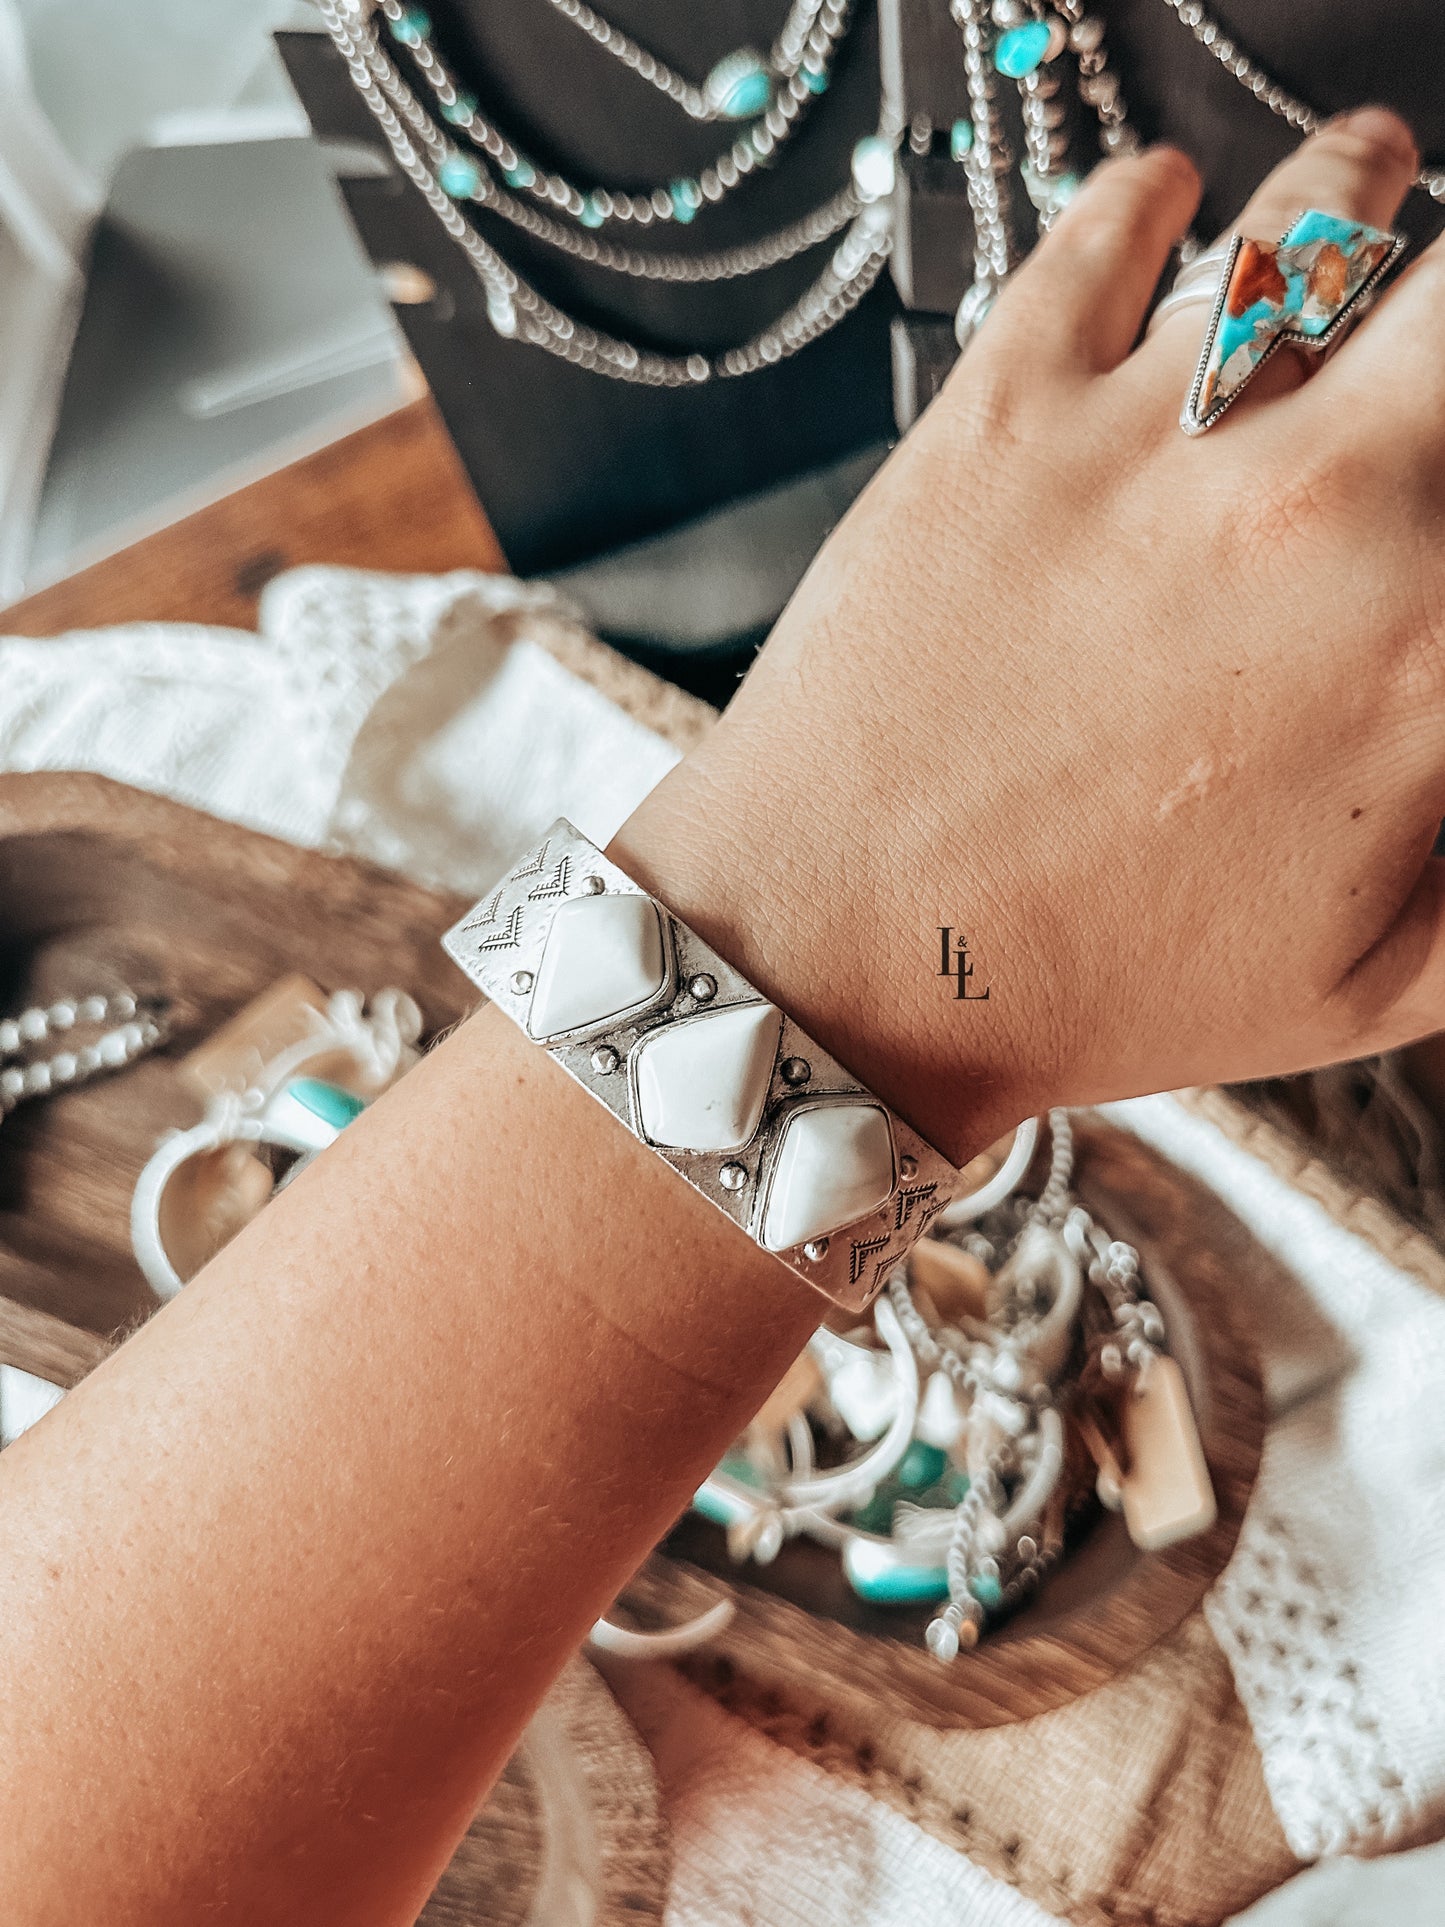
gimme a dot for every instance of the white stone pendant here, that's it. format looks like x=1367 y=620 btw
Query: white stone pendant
x=834 y=1163
x=701 y=1085
x=605 y=959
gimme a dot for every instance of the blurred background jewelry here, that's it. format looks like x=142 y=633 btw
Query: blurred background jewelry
x=1024 y=42
x=777 y=116
x=516 y=309
x=128 y=1028
x=987 y=1347
x=1250 y=75
x=280 y=1107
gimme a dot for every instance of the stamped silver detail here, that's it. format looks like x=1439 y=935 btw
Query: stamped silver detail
x=553 y=885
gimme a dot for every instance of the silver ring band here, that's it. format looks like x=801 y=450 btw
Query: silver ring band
x=1195 y=285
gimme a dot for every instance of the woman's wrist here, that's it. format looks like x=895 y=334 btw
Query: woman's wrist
x=793 y=896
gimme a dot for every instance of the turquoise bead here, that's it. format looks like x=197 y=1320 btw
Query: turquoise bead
x=814 y=79
x=327 y=1101
x=412 y=28
x=960 y=139
x=739 y=86
x=735 y=1465
x=1019 y=51
x=721 y=1507
x=988 y=1592
x=717 y=1507
x=877 y=1515
x=921 y=1465
x=876 y=1573
x=591 y=215
x=522 y=175
x=459 y=176
x=686 y=200
x=1049 y=192
x=460 y=110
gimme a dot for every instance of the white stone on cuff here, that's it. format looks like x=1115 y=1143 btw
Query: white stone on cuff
x=834 y=1163
x=701 y=1084
x=604 y=957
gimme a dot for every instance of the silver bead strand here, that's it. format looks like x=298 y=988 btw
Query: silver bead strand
x=1098 y=84
x=725 y=265
x=728 y=264
x=746 y=153
x=988 y=158
x=787 y=55
x=1046 y=143
x=645 y=65
x=1277 y=99
x=135 y=1030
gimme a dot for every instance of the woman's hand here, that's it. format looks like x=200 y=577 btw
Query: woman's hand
x=1156 y=723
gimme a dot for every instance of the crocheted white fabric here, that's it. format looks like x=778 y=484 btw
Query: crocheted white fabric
x=409 y=719
x=412 y=721
x=1330 y=1611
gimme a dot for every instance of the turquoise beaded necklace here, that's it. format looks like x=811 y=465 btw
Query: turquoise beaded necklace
x=771 y=96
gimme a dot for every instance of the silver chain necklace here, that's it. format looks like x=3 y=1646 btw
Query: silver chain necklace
x=739 y=86
x=1250 y=75
x=517 y=310
x=679 y=200
x=1019 y=38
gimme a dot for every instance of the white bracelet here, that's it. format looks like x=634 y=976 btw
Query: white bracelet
x=719 y=1082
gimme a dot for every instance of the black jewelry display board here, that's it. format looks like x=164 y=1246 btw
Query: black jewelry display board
x=569 y=464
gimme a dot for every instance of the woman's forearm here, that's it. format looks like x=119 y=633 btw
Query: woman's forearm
x=283 y=1580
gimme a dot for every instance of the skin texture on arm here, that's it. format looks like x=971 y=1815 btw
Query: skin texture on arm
x=1158 y=722
x=284 y=1587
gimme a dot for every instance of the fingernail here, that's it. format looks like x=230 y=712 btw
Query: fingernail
x=1382 y=127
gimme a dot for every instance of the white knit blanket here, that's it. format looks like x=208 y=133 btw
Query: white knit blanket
x=411 y=721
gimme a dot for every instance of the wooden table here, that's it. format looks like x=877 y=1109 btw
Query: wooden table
x=391 y=496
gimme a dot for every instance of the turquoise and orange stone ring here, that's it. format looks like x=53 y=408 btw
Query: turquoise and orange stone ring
x=1305 y=291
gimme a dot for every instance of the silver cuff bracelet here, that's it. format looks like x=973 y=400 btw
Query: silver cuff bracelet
x=719 y=1082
